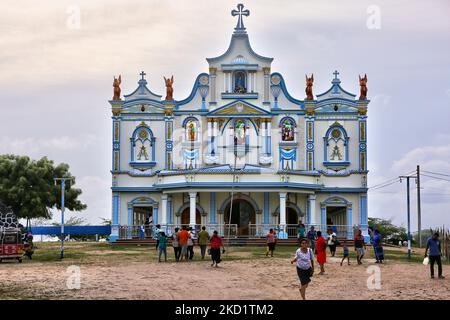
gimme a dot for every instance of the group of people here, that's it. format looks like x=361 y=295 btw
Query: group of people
x=183 y=244
x=313 y=245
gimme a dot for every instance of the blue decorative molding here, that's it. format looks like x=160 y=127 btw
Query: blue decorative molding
x=193 y=92
x=239 y=96
x=266 y=208
x=212 y=208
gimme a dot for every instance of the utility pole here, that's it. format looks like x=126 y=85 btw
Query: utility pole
x=419 y=213
x=408 y=206
x=63 y=186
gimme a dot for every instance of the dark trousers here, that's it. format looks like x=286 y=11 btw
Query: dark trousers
x=203 y=250
x=438 y=260
x=177 y=251
x=157 y=244
x=191 y=252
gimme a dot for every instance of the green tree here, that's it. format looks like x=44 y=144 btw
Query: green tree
x=28 y=188
x=390 y=232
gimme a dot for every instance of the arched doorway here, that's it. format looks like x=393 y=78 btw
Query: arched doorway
x=292 y=216
x=185 y=215
x=243 y=214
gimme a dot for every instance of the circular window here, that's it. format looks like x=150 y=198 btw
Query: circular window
x=336 y=134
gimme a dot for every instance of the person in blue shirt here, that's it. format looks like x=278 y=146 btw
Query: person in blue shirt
x=312 y=236
x=377 y=247
x=434 y=246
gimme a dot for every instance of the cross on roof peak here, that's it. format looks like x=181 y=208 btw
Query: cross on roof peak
x=142 y=75
x=336 y=73
x=240 y=12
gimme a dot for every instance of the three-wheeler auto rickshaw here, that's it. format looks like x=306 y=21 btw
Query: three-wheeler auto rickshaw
x=11 y=246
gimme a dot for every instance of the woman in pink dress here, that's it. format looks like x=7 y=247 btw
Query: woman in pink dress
x=321 y=246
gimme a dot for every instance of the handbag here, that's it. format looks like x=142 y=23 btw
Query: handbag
x=209 y=251
x=426 y=260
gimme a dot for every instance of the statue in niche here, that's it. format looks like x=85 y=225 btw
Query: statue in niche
x=239 y=83
x=116 y=85
x=169 y=88
x=287 y=131
x=363 y=85
x=309 y=85
x=239 y=132
x=336 y=153
x=191 y=130
x=142 y=153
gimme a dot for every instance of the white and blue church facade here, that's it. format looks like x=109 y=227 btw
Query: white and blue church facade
x=240 y=140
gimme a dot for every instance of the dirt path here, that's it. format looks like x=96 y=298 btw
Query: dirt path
x=259 y=279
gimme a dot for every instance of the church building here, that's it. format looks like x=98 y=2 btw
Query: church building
x=240 y=152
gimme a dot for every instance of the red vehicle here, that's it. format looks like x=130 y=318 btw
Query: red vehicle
x=11 y=246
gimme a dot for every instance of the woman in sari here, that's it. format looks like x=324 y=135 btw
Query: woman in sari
x=321 y=246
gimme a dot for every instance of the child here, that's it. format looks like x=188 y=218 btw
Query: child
x=346 y=254
x=162 y=245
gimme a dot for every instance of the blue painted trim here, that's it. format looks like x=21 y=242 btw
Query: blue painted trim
x=169 y=210
x=266 y=208
x=130 y=103
x=193 y=92
x=323 y=218
x=363 y=208
x=282 y=84
x=116 y=209
x=155 y=215
x=349 y=223
x=248 y=104
x=308 y=211
x=234 y=96
x=235 y=37
x=130 y=215
x=74 y=230
x=212 y=208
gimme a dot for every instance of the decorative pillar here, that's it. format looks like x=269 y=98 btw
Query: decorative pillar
x=266 y=208
x=155 y=215
x=212 y=80
x=269 y=137
x=323 y=219
x=115 y=217
x=212 y=208
x=168 y=119
x=210 y=136
x=283 y=211
x=349 y=222
x=192 y=208
x=130 y=220
x=164 y=209
x=214 y=136
x=169 y=210
x=312 y=209
x=309 y=106
x=266 y=71
x=364 y=225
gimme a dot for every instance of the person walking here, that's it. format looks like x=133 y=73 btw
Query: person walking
x=346 y=254
x=304 y=257
x=434 y=247
x=203 y=239
x=215 y=243
x=176 y=244
x=301 y=230
x=331 y=241
x=191 y=243
x=312 y=236
x=162 y=243
x=321 y=249
x=359 y=246
x=271 y=241
x=183 y=237
x=378 y=247
x=156 y=233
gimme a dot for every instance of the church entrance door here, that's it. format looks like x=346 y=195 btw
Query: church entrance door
x=243 y=214
x=185 y=217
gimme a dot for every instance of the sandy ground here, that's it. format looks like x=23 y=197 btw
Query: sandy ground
x=271 y=278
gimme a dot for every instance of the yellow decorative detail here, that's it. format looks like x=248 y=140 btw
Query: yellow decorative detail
x=239 y=108
x=362 y=131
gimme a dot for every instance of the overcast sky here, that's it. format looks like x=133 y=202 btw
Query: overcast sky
x=57 y=70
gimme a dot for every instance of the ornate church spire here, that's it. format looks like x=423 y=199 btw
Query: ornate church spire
x=240 y=12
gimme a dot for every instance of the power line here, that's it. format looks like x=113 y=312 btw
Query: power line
x=389 y=180
x=437 y=173
x=437 y=178
x=385 y=185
